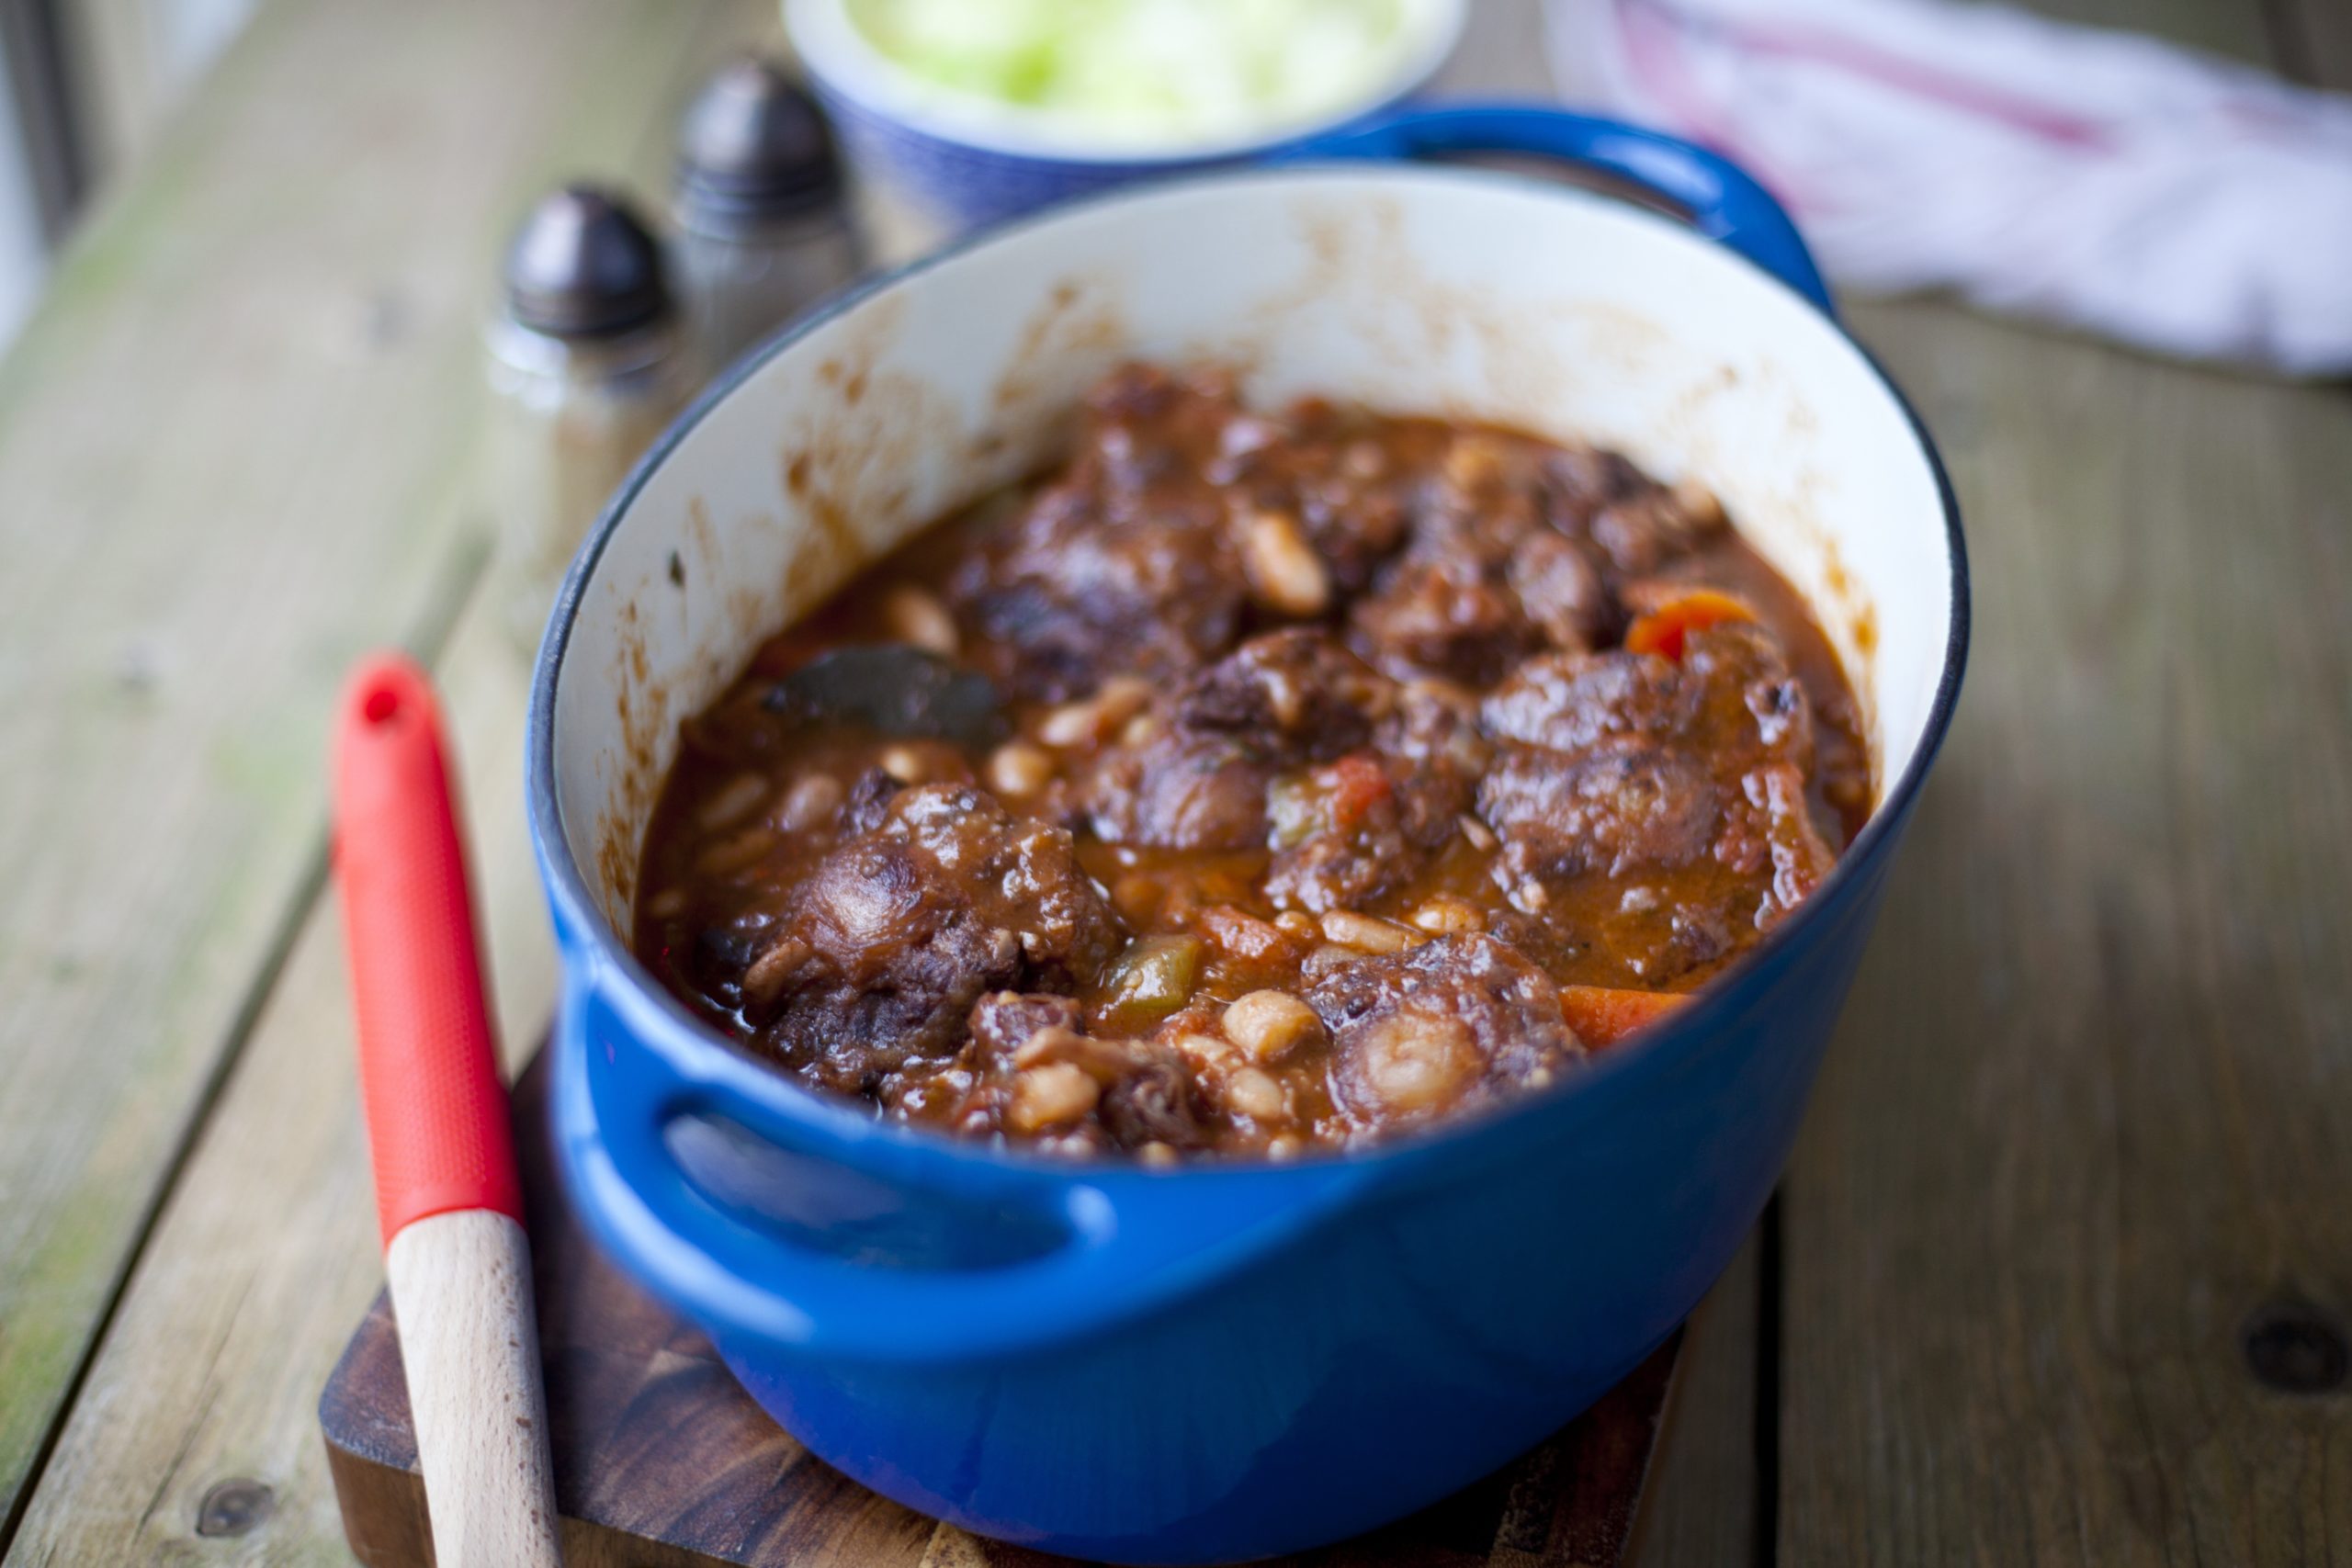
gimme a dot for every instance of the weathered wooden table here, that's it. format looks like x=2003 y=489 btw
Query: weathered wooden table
x=2063 y=1270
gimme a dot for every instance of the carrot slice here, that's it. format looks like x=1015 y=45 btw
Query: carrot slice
x=1663 y=630
x=1601 y=1015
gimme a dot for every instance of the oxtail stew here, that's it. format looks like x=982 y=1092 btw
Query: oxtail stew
x=1253 y=782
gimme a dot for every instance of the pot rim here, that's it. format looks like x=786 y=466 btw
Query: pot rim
x=577 y=910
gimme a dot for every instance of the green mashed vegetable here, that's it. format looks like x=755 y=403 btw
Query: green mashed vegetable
x=1138 y=71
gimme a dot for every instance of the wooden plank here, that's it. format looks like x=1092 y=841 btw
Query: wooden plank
x=112 y=77
x=2090 y=1114
x=127 y=78
x=1699 y=1508
x=2312 y=40
x=266 y=1250
x=264 y=1254
x=2065 y=1232
x=231 y=452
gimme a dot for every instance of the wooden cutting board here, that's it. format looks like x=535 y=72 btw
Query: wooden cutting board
x=661 y=1462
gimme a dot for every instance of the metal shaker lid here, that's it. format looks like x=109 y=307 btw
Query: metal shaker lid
x=754 y=145
x=584 y=264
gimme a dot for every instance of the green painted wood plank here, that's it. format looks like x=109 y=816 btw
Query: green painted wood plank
x=234 y=449
x=264 y=1254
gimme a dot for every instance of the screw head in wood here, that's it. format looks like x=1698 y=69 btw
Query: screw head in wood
x=232 y=1507
x=2297 y=1349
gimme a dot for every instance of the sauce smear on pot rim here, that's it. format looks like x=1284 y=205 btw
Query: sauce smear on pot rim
x=1254 y=781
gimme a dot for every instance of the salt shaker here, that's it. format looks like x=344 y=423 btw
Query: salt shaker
x=589 y=363
x=762 y=228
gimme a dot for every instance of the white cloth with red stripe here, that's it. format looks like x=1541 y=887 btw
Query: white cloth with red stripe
x=2099 y=179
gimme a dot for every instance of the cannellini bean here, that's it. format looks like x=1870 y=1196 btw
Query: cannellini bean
x=1447 y=916
x=1245 y=434
x=1325 y=959
x=1529 y=897
x=1696 y=501
x=917 y=616
x=1268 y=1024
x=905 y=764
x=735 y=800
x=1017 y=767
x=1285 y=1145
x=1121 y=697
x=1285 y=572
x=1072 y=724
x=1472 y=458
x=1157 y=1154
x=1051 y=1044
x=772 y=970
x=810 y=803
x=1365 y=932
x=1256 y=1095
x=1051 y=1095
x=1206 y=1052
x=1102 y=1060
x=728 y=856
x=1416 y=1061
x=1480 y=836
x=1091 y=718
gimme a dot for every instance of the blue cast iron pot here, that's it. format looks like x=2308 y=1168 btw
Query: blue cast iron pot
x=1212 y=1363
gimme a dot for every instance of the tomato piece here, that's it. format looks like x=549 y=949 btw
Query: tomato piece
x=1603 y=1015
x=1664 y=629
x=1358 y=783
x=1244 y=936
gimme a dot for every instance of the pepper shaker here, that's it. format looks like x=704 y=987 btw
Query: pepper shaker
x=589 y=363
x=762 y=231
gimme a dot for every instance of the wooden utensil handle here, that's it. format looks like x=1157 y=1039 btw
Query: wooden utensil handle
x=461 y=1295
x=448 y=1194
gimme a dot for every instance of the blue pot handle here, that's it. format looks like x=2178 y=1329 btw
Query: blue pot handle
x=1724 y=202
x=1122 y=1239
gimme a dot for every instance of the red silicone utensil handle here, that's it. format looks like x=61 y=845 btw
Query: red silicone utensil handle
x=436 y=1113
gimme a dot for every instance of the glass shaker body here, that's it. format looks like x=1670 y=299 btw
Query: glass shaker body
x=571 y=416
x=738 y=282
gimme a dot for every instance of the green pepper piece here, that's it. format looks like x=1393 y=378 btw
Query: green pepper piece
x=1151 y=980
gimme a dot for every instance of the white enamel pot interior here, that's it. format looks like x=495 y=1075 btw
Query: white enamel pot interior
x=1448 y=291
